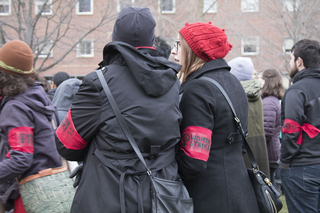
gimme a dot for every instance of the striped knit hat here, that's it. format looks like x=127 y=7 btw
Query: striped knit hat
x=16 y=57
x=206 y=40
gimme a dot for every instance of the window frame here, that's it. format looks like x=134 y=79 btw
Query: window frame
x=215 y=5
x=119 y=5
x=37 y=3
x=246 y=10
x=284 y=45
x=40 y=55
x=286 y=7
x=167 y=11
x=85 y=13
x=243 y=43
x=79 y=55
x=9 y=12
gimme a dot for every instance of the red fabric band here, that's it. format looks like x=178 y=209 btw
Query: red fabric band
x=21 y=139
x=196 y=142
x=68 y=134
x=145 y=47
x=291 y=126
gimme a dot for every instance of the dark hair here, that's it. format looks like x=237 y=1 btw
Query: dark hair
x=308 y=51
x=163 y=48
x=12 y=85
x=46 y=85
x=272 y=84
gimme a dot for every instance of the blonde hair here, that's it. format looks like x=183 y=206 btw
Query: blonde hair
x=192 y=62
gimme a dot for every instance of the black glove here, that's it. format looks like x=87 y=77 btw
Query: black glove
x=77 y=172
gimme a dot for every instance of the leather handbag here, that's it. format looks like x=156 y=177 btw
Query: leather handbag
x=266 y=194
x=166 y=195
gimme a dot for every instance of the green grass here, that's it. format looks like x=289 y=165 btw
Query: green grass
x=284 y=208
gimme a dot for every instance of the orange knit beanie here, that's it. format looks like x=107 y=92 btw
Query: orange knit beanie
x=16 y=57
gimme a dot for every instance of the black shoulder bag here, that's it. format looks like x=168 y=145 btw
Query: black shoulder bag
x=167 y=195
x=266 y=194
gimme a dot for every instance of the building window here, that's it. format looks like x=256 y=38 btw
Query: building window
x=44 y=7
x=249 y=5
x=45 y=49
x=250 y=46
x=85 y=48
x=291 y=5
x=85 y=7
x=124 y=3
x=5 y=7
x=209 y=6
x=287 y=45
x=167 y=6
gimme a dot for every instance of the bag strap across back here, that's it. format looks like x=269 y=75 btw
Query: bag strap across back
x=120 y=119
x=249 y=151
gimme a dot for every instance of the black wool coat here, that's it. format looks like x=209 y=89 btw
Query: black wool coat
x=221 y=184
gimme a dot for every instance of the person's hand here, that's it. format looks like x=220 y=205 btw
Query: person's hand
x=76 y=172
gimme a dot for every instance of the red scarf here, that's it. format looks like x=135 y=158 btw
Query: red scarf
x=291 y=126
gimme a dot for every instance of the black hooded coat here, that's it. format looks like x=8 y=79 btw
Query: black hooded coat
x=146 y=90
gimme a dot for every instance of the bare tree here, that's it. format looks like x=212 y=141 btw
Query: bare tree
x=48 y=24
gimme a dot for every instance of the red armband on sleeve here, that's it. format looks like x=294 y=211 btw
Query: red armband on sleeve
x=68 y=134
x=21 y=139
x=196 y=142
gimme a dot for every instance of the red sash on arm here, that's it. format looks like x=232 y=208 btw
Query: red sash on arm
x=196 y=142
x=291 y=126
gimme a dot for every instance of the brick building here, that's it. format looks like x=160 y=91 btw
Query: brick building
x=262 y=30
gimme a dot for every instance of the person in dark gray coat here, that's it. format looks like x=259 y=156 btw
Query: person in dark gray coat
x=146 y=90
x=210 y=153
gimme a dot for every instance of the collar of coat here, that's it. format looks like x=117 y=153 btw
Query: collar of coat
x=213 y=65
x=306 y=73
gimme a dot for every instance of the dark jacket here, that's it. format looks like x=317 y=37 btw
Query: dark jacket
x=272 y=127
x=301 y=103
x=51 y=93
x=256 y=137
x=146 y=91
x=220 y=184
x=34 y=111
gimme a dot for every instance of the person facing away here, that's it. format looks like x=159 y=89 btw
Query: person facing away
x=64 y=96
x=212 y=168
x=162 y=47
x=242 y=68
x=146 y=90
x=272 y=91
x=300 y=148
x=57 y=79
x=26 y=118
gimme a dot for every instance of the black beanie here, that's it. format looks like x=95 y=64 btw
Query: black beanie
x=135 y=26
x=60 y=77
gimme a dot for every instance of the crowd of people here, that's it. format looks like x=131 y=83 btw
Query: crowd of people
x=182 y=124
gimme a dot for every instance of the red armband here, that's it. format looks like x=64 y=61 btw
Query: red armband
x=21 y=139
x=68 y=134
x=196 y=142
x=291 y=126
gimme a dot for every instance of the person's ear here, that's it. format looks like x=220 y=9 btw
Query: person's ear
x=299 y=63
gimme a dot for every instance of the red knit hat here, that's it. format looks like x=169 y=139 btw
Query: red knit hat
x=206 y=40
x=16 y=57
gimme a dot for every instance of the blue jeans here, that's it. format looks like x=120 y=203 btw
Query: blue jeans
x=301 y=187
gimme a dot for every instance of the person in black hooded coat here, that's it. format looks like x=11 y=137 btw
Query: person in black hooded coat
x=146 y=90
